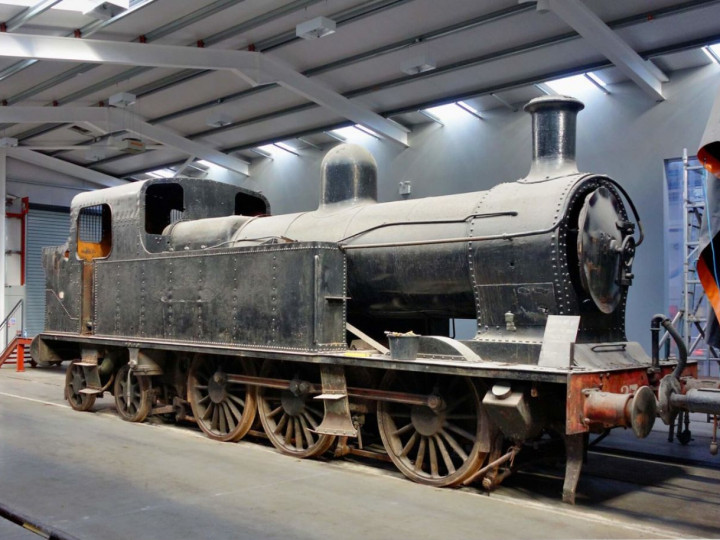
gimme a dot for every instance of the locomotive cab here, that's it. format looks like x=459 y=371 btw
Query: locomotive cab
x=131 y=222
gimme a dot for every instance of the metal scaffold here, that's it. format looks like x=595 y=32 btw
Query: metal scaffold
x=693 y=318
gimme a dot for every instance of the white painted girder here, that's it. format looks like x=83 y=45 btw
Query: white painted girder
x=122 y=119
x=254 y=67
x=586 y=23
x=64 y=167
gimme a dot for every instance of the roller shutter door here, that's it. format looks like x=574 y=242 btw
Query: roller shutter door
x=44 y=228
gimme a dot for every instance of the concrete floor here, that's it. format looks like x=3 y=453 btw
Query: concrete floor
x=97 y=477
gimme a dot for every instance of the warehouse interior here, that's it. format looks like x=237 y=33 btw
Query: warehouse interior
x=491 y=57
x=254 y=93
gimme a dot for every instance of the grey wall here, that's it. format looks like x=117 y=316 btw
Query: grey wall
x=624 y=135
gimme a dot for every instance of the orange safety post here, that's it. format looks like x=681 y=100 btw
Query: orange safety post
x=20 y=366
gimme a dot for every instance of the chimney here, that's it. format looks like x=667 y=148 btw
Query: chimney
x=553 y=136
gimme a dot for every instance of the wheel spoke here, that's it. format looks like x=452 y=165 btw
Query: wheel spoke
x=229 y=415
x=215 y=414
x=222 y=420
x=289 y=431
x=460 y=431
x=236 y=399
x=409 y=445
x=433 y=458
x=445 y=455
x=454 y=444
x=308 y=434
x=298 y=435
x=403 y=429
x=310 y=419
x=232 y=408
x=208 y=411
x=275 y=412
x=281 y=423
x=421 y=454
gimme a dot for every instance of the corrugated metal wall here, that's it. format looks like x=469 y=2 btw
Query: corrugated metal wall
x=44 y=228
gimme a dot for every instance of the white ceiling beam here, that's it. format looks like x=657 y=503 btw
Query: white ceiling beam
x=254 y=67
x=586 y=23
x=324 y=96
x=122 y=119
x=54 y=147
x=192 y=148
x=64 y=167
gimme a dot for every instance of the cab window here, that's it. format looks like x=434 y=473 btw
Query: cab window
x=94 y=233
x=164 y=204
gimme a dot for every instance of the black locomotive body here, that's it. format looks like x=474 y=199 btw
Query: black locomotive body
x=183 y=296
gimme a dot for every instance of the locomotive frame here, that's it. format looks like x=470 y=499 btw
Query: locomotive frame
x=179 y=297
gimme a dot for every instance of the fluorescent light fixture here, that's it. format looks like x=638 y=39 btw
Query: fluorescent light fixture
x=350 y=133
x=122 y=100
x=315 y=28
x=8 y=142
x=544 y=89
x=569 y=86
x=447 y=113
x=266 y=151
x=284 y=146
x=367 y=131
x=598 y=82
x=162 y=173
x=712 y=52
x=418 y=64
x=218 y=119
x=469 y=109
x=274 y=149
x=345 y=133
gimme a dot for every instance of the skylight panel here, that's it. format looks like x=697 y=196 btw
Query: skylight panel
x=569 y=86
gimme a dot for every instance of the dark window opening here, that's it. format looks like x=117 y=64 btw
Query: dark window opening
x=163 y=206
x=249 y=205
x=94 y=232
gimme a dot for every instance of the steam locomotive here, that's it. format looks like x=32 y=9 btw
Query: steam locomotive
x=184 y=297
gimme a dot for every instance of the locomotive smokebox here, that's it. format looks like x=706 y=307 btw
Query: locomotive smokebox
x=349 y=174
x=554 y=120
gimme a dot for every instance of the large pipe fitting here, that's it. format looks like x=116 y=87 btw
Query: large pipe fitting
x=554 y=129
x=636 y=410
x=661 y=320
x=700 y=400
